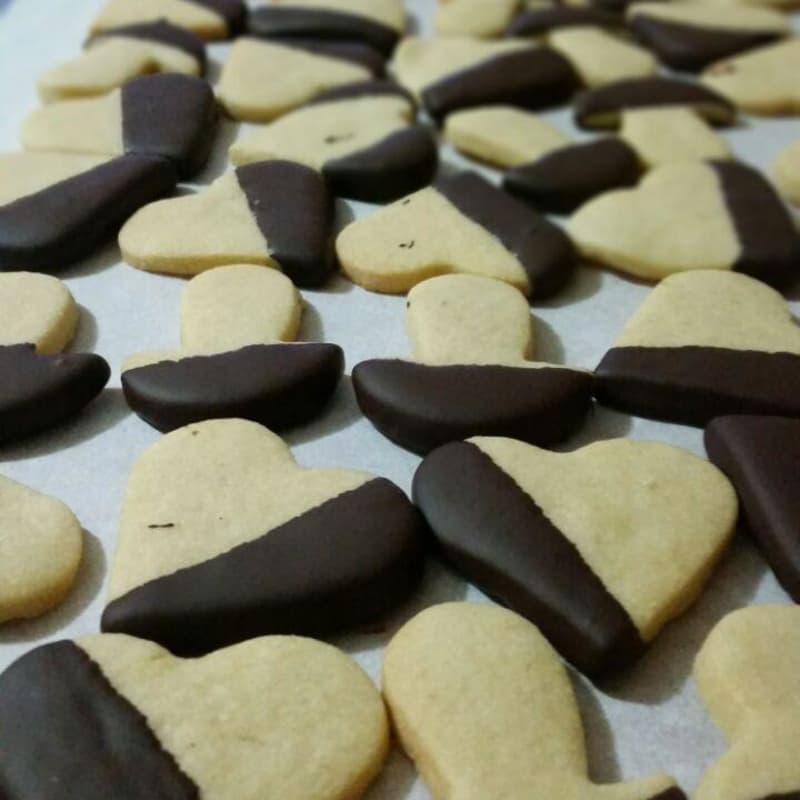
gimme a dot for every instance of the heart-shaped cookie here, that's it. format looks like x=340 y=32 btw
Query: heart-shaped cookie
x=235 y=361
x=470 y=375
x=485 y=708
x=748 y=675
x=224 y=537
x=600 y=547
x=114 y=716
x=705 y=344
x=692 y=216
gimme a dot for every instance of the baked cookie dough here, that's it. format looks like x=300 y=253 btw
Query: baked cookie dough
x=787 y=173
x=474 y=17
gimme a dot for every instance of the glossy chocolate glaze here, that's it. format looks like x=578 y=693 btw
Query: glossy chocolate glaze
x=539 y=21
x=161 y=32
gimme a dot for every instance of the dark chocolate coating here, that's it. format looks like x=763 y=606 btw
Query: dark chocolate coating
x=345 y=563
x=692 y=48
x=769 y=239
x=234 y=12
x=278 y=385
x=761 y=456
x=539 y=21
x=534 y=78
x=602 y=107
x=499 y=539
x=423 y=407
x=276 y=22
x=67 y=221
x=172 y=116
x=39 y=392
x=692 y=385
x=358 y=53
x=545 y=252
x=789 y=796
x=565 y=178
x=370 y=88
x=398 y=165
x=294 y=210
x=65 y=733
x=671 y=794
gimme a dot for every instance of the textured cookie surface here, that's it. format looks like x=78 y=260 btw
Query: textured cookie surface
x=492 y=720
x=474 y=17
x=748 y=674
x=692 y=215
x=299 y=720
x=787 y=173
x=40 y=551
x=599 y=547
x=702 y=345
x=224 y=537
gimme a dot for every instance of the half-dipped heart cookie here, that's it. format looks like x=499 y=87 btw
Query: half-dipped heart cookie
x=113 y=716
x=470 y=374
x=235 y=360
x=57 y=208
x=484 y=707
x=362 y=138
x=692 y=215
x=224 y=537
x=171 y=116
x=600 y=547
x=460 y=224
x=275 y=213
x=705 y=344
x=787 y=173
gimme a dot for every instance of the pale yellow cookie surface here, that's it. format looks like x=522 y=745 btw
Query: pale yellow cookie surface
x=708 y=14
x=183 y=13
x=474 y=17
x=787 y=173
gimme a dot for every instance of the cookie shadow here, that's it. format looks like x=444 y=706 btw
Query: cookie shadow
x=105 y=257
x=601 y=423
x=395 y=780
x=218 y=161
x=585 y=283
x=86 y=336
x=87 y=586
x=341 y=413
x=601 y=750
x=312 y=328
x=547 y=343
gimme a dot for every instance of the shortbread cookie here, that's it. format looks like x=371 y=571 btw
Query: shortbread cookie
x=689 y=36
x=761 y=456
x=664 y=135
x=114 y=716
x=262 y=79
x=172 y=116
x=474 y=17
x=224 y=537
x=210 y=19
x=600 y=547
x=688 y=216
x=471 y=337
x=787 y=173
x=537 y=22
x=57 y=208
x=748 y=675
x=121 y=54
x=502 y=135
x=761 y=81
x=460 y=224
x=234 y=360
x=705 y=344
x=40 y=551
x=603 y=107
x=484 y=707
x=451 y=73
x=361 y=138
x=567 y=177
x=273 y=213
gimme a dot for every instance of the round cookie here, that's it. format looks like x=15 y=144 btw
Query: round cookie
x=474 y=17
x=787 y=173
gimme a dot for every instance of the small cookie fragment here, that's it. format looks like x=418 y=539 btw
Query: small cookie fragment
x=469 y=374
x=787 y=173
x=748 y=676
x=600 y=593
x=171 y=116
x=274 y=213
x=274 y=717
x=460 y=224
x=473 y=17
x=41 y=543
x=705 y=344
x=224 y=537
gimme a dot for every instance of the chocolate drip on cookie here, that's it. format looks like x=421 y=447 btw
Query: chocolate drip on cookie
x=161 y=32
x=66 y=732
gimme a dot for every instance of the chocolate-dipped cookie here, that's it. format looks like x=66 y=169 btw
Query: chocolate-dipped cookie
x=567 y=177
x=705 y=344
x=692 y=215
x=470 y=375
x=235 y=358
x=451 y=73
x=540 y=21
x=474 y=17
x=274 y=213
x=461 y=224
x=600 y=593
x=361 y=138
x=114 y=716
x=171 y=116
x=223 y=537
